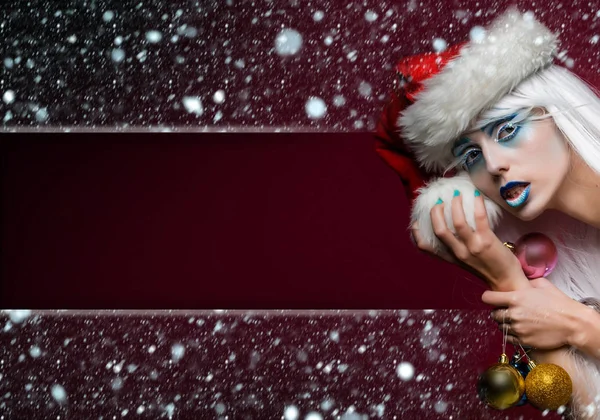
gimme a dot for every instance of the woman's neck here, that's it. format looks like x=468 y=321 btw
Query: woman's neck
x=579 y=194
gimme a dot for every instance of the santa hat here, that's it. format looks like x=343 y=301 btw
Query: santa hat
x=437 y=98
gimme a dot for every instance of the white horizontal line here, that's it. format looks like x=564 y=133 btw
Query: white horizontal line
x=161 y=129
x=230 y=312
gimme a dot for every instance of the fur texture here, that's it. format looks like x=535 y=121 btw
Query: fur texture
x=514 y=47
x=444 y=188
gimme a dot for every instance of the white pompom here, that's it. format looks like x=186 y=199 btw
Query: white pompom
x=444 y=188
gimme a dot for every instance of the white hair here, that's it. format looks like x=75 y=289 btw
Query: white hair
x=573 y=104
x=575 y=108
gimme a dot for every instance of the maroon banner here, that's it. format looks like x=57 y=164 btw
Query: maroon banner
x=212 y=220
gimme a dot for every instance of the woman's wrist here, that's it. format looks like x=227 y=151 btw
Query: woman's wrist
x=584 y=323
x=515 y=282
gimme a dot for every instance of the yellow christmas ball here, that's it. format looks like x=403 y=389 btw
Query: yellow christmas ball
x=548 y=386
x=501 y=386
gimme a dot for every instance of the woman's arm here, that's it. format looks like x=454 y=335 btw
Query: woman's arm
x=481 y=250
x=586 y=340
x=545 y=318
x=586 y=332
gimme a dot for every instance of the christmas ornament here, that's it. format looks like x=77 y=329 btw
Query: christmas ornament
x=501 y=386
x=548 y=386
x=536 y=253
x=523 y=368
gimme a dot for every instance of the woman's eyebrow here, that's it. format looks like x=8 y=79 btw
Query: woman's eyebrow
x=489 y=129
x=457 y=147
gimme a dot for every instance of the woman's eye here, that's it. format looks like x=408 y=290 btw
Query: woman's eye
x=507 y=131
x=471 y=157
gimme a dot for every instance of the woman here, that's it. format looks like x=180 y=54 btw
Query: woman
x=522 y=138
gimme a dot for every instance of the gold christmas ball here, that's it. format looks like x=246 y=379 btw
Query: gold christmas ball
x=548 y=386
x=501 y=386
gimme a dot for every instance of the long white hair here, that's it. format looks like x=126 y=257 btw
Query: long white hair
x=575 y=108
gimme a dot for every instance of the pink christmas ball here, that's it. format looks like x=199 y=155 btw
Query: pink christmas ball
x=537 y=254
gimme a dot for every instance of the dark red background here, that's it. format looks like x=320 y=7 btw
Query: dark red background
x=244 y=220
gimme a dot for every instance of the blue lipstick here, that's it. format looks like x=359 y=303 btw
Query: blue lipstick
x=518 y=200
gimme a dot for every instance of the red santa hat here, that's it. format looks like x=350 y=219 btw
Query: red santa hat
x=438 y=96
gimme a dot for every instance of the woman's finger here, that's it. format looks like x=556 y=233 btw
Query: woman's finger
x=441 y=230
x=506 y=329
x=513 y=339
x=418 y=240
x=459 y=219
x=501 y=316
x=425 y=247
x=482 y=223
x=494 y=298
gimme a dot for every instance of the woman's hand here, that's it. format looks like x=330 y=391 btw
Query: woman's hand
x=542 y=316
x=478 y=250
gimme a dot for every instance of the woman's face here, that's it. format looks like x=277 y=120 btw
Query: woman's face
x=518 y=163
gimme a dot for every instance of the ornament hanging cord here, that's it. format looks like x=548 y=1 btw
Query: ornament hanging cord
x=524 y=352
x=505 y=331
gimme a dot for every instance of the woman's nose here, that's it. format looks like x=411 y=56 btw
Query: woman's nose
x=495 y=161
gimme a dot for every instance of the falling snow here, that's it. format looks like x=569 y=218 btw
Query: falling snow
x=35 y=352
x=8 y=97
x=117 y=55
x=177 y=352
x=291 y=413
x=370 y=16
x=219 y=96
x=288 y=42
x=439 y=45
x=313 y=416
x=232 y=64
x=193 y=105
x=18 y=315
x=405 y=371
x=41 y=115
x=315 y=108
x=153 y=36
x=477 y=34
x=245 y=365
x=108 y=16
x=59 y=393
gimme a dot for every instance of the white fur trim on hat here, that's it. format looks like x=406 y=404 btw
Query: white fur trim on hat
x=444 y=188
x=514 y=47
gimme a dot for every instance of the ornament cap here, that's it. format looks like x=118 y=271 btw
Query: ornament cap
x=531 y=364
x=503 y=358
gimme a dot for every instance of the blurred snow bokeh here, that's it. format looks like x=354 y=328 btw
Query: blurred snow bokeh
x=290 y=365
x=237 y=65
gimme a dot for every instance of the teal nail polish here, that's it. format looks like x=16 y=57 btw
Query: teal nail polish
x=439 y=201
x=456 y=193
x=477 y=193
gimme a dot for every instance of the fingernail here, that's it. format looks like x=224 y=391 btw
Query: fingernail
x=477 y=193
x=456 y=193
x=439 y=201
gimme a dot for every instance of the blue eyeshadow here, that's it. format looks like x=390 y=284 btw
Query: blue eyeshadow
x=459 y=146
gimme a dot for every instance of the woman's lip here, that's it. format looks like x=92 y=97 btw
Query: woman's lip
x=509 y=185
x=521 y=199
